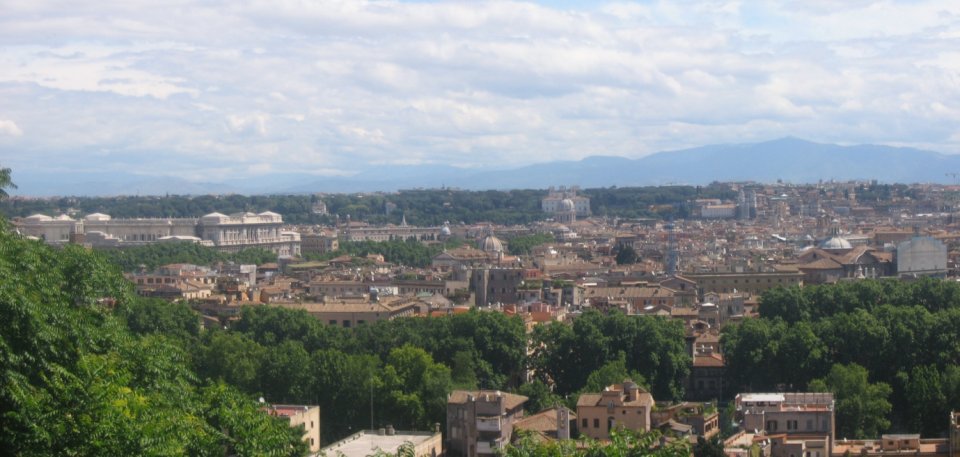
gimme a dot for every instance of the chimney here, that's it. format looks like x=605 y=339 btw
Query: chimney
x=630 y=388
x=563 y=423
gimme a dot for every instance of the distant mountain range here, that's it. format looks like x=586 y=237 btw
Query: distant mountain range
x=788 y=159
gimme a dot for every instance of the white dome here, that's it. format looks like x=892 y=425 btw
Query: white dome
x=491 y=243
x=64 y=217
x=836 y=243
x=97 y=217
x=567 y=205
x=445 y=231
x=39 y=217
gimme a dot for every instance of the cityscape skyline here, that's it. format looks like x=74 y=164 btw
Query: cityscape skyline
x=233 y=91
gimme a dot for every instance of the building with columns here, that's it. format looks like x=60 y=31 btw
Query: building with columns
x=229 y=233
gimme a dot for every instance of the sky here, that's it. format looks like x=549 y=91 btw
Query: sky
x=243 y=88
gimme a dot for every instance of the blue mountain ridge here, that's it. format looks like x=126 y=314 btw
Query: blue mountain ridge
x=787 y=159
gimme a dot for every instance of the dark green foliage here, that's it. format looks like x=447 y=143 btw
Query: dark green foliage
x=902 y=335
x=420 y=207
x=661 y=202
x=155 y=255
x=624 y=443
x=405 y=367
x=147 y=316
x=410 y=252
x=539 y=396
x=613 y=372
x=708 y=448
x=861 y=407
x=521 y=245
x=74 y=380
x=926 y=401
x=653 y=347
x=5 y=183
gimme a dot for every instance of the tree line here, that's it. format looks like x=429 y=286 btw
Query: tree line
x=154 y=255
x=431 y=207
x=402 y=370
x=888 y=349
x=408 y=252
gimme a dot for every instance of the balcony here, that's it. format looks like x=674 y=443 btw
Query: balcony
x=489 y=447
x=488 y=424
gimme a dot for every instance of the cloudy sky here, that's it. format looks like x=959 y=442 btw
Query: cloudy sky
x=246 y=87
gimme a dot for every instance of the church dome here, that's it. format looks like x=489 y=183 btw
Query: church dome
x=567 y=205
x=491 y=243
x=836 y=242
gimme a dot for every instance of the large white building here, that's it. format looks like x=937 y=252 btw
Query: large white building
x=230 y=233
x=922 y=256
x=559 y=201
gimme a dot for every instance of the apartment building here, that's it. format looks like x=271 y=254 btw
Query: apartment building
x=481 y=422
x=623 y=405
x=788 y=413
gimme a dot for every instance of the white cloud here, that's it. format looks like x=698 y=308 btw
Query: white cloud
x=9 y=128
x=317 y=86
x=250 y=124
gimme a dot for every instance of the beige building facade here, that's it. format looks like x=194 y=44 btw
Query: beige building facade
x=618 y=406
x=305 y=415
x=481 y=423
x=788 y=413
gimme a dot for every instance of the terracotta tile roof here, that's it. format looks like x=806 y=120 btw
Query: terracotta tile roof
x=711 y=360
x=510 y=400
x=824 y=263
x=544 y=421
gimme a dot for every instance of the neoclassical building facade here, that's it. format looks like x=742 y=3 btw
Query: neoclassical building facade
x=226 y=232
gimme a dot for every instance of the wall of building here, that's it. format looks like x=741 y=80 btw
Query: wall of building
x=922 y=255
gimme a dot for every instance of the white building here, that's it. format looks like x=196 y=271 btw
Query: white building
x=922 y=256
x=558 y=200
x=231 y=233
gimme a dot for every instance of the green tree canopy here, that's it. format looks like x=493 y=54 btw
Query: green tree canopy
x=861 y=407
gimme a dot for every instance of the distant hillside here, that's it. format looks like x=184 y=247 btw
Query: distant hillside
x=787 y=159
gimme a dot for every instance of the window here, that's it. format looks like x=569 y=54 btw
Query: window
x=596 y=423
x=610 y=423
x=346 y=324
x=333 y=322
x=584 y=424
x=361 y=322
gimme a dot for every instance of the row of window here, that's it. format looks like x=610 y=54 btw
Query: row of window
x=792 y=425
x=747 y=281
x=346 y=323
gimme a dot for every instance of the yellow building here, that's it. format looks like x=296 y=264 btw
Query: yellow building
x=618 y=406
x=306 y=415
